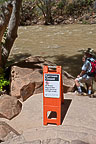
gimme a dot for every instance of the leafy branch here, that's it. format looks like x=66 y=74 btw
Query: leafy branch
x=3 y=81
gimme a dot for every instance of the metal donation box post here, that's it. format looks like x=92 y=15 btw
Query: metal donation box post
x=52 y=94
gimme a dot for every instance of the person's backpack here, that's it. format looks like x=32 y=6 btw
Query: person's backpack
x=93 y=70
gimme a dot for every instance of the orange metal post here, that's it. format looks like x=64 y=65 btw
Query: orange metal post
x=51 y=102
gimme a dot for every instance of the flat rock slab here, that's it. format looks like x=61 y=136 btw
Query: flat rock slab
x=78 y=120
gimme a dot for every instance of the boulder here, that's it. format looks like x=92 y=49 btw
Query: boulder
x=9 y=107
x=31 y=88
x=27 y=78
x=5 y=130
x=68 y=82
x=27 y=90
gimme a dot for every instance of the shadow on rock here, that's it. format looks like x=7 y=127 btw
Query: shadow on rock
x=71 y=64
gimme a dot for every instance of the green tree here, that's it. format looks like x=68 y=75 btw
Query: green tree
x=46 y=8
x=61 y=6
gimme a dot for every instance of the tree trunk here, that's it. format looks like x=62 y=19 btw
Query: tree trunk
x=4 y=20
x=48 y=18
x=45 y=6
x=12 y=31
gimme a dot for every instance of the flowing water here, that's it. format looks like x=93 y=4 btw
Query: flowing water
x=59 y=44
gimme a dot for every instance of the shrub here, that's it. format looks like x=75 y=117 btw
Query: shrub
x=3 y=81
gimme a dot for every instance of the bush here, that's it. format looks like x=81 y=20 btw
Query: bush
x=3 y=81
x=79 y=7
x=29 y=13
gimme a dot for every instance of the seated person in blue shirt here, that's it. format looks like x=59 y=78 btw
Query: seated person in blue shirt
x=84 y=76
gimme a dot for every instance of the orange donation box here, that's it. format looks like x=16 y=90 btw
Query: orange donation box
x=52 y=94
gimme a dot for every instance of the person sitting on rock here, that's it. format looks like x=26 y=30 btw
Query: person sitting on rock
x=84 y=76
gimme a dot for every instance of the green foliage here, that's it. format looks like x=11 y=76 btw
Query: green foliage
x=2 y=1
x=5 y=34
x=29 y=12
x=79 y=6
x=84 y=22
x=28 y=0
x=33 y=11
x=61 y=4
x=45 y=7
x=3 y=82
x=4 y=37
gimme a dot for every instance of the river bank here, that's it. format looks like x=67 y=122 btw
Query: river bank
x=60 y=12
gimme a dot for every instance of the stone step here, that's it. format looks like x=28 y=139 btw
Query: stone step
x=78 y=120
x=66 y=132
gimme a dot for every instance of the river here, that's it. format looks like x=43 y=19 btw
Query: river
x=59 y=44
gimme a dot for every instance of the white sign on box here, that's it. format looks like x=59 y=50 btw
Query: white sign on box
x=52 y=85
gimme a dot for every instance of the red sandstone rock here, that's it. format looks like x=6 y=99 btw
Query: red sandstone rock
x=9 y=107
x=27 y=78
x=5 y=129
x=68 y=82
